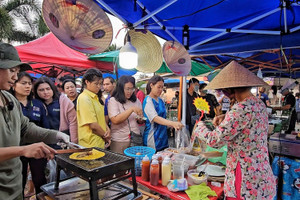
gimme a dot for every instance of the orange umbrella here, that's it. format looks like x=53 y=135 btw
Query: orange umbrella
x=80 y=24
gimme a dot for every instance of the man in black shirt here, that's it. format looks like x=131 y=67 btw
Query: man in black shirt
x=288 y=108
x=211 y=100
x=190 y=107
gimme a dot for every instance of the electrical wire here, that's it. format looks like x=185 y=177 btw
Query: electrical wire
x=187 y=15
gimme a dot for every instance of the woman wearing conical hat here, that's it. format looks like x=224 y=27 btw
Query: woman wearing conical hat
x=244 y=128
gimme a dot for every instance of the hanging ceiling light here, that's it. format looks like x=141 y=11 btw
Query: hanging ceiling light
x=128 y=57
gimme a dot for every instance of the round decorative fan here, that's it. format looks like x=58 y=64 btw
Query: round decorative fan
x=177 y=58
x=80 y=24
x=148 y=49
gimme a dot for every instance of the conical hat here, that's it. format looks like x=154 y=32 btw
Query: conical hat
x=149 y=50
x=177 y=58
x=235 y=75
x=80 y=24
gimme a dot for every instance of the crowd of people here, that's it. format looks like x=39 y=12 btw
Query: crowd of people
x=115 y=114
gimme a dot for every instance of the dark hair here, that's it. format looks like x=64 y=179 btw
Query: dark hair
x=66 y=81
x=153 y=81
x=274 y=88
x=111 y=79
x=50 y=83
x=63 y=78
x=297 y=94
x=118 y=93
x=193 y=80
x=20 y=76
x=202 y=86
x=90 y=76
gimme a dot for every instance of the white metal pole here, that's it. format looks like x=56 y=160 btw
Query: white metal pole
x=284 y=17
x=183 y=107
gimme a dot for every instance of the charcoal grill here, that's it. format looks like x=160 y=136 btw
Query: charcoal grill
x=107 y=168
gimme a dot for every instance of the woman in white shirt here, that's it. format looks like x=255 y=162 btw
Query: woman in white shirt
x=125 y=112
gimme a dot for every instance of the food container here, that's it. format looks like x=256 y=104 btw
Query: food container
x=178 y=170
x=193 y=178
x=189 y=161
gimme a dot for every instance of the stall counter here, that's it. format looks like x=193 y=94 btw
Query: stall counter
x=177 y=195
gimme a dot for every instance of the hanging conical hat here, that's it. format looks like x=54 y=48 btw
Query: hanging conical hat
x=80 y=24
x=235 y=75
x=177 y=58
x=149 y=50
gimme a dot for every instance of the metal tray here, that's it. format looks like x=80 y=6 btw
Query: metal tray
x=78 y=189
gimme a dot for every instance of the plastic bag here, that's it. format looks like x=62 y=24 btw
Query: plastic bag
x=51 y=171
x=218 y=159
x=177 y=185
x=182 y=141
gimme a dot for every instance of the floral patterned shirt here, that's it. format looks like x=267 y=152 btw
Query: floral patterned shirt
x=244 y=129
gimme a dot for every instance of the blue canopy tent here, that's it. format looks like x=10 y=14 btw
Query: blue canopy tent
x=210 y=27
x=214 y=26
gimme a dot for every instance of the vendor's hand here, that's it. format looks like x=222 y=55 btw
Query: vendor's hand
x=38 y=150
x=137 y=110
x=177 y=125
x=218 y=119
x=60 y=136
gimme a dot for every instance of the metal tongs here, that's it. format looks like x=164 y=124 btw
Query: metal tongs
x=70 y=145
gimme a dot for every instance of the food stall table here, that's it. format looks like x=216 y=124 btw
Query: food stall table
x=177 y=195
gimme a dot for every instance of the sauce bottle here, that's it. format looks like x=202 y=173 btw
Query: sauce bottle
x=154 y=172
x=160 y=159
x=145 y=168
x=166 y=171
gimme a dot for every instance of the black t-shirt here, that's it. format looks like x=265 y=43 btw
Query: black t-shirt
x=190 y=107
x=212 y=102
x=290 y=99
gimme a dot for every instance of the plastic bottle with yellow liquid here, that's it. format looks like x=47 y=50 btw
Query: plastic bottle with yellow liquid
x=166 y=171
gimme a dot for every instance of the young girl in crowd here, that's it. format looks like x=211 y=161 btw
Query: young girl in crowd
x=61 y=111
x=36 y=113
x=92 y=128
x=155 y=134
x=125 y=112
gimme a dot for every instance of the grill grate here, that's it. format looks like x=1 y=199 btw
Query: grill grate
x=110 y=158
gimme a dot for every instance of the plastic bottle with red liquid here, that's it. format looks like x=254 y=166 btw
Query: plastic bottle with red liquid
x=154 y=172
x=160 y=160
x=145 y=168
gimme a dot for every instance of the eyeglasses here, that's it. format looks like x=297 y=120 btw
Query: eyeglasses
x=129 y=89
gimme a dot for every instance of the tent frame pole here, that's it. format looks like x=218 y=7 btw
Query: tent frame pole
x=184 y=91
x=214 y=30
x=284 y=16
x=151 y=14
x=236 y=27
x=157 y=21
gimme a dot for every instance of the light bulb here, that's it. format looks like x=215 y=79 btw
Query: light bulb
x=128 y=57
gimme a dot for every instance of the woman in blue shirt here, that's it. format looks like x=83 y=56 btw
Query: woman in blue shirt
x=36 y=112
x=61 y=111
x=155 y=134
